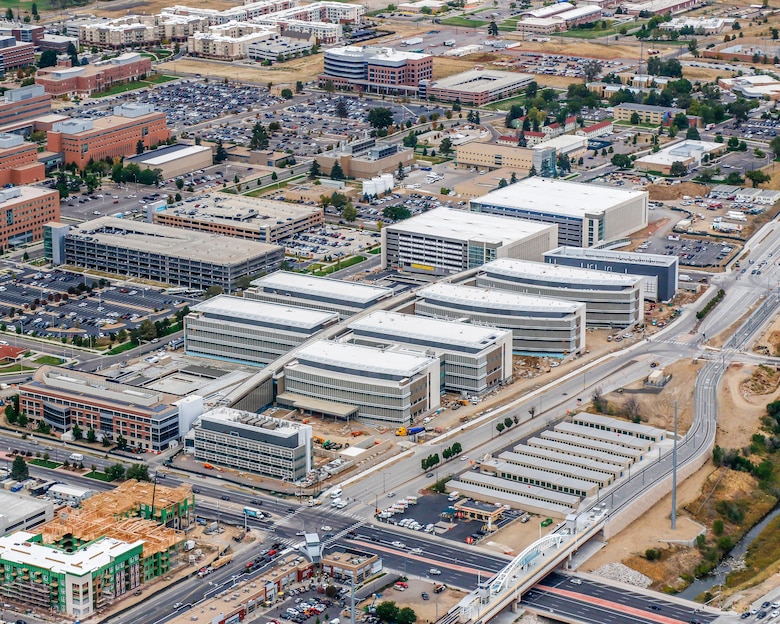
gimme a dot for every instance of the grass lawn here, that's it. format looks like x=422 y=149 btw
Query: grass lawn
x=48 y=359
x=133 y=86
x=122 y=348
x=100 y=476
x=463 y=21
x=13 y=368
x=24 y=5
x=585 y=33
x=509 y=25
x=506 y=104
x=375 y=250
x=43 y=463
x=339 y=265
x=160 y=78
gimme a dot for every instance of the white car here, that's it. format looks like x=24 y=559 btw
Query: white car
x=434 y=571
x=416 y=551
x=399 y=544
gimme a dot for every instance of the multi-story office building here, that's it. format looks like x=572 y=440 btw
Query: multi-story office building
x=648 y=114
x=445 y=241
x=21 y=513
x=539 y=325
x=586 y=214
x=252 y=332
x=85 y=80
x=476 y=87
x=19 y=161
x=28 y=33
x=472 y=358
x=318 y=293
x=365 y=158
x=376 y=69
x=114 y=136
x=61 y=398
x=660 y=272
x=24 y=210
x=165 y=254
x=246 y=441
x=255 y=218
x=611 y=299
x=15 y=54
x=24 y=103
x=494 y=156
x=348 y=381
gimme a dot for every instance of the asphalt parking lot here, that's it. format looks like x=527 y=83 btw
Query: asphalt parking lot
x=692 y=252
x=60 y=314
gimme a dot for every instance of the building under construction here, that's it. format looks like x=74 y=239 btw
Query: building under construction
x=85 y=559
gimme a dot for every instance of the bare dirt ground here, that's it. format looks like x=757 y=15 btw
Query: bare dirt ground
x=768 y=343
x=774 y=171
x=582 y=48
x=426 y=610
x=304 y=69
x=666 y=192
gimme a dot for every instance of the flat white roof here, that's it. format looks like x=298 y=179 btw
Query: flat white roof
x=69 y=490
x=559 y=274
x=481 y=80
x=497 y=299
x=424 y=328
x=18 y=549
x=558 y=197
x=464 y=225
x=171 y=155
x=309 y=286
x=240 y=308
x=608 y=255
x=369 y=359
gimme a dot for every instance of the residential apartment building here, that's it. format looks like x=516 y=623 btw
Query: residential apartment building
x=230 y=41
x=24 y=210
x=611 y=299
x=19 y=161
x=596 y=130
x=541 y=326
x=654 y=115
x=476 y=87
x=376 y=69
x=15 y=54
x=62 y=398
x=114 y=136
x=85 y=80
x=129 y=31
x=237 y=329
x=318 y=293
x=347 y=381
x=446 y=241
x=165 y=254
x=24 y=103
x=249 y=442
x=472 y=358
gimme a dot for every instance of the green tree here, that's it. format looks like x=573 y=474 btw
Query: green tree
x=139 y=147
x=329 y=88
x=396 y=213
x=121 y=442
x=757 y=177
x=692 y=133
x=493 y=29
x=259 y=140
x=635 y=118
x=622 y=161
x=91 y=435
x=678 y=169
x=341 y=109
x=139 y=472
x=180 y=184
x=21 y=419
x=380 y=117
x=77 y=432
x=336 y=172
x=400 y=174
x=500 y=427
x=19 y=469
x=116 y=472
x=445 y=147
x=314 y=170
x=387 y=611
x=146 y=330
x=48 y=58
x=10 y=414
x=349 y=213
x=406 y=615
x=221 y=154
x=298 y=86
x=287 y=94
x=774 y=145
x=502 y=183
x=513 y=178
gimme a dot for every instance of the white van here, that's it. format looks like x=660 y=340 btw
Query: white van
x=335 y=494
x=76 y=457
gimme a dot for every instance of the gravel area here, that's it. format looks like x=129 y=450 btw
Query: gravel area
x=623 y=574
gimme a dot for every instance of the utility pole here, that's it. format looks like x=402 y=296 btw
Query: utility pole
x=674 y=472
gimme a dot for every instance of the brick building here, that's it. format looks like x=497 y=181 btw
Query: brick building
x=89 y=79
x=26 y=33
x=19 y=161
x=24 y=103
x=116 y=136
x=23 y=212
x=14 y=54
x=376 y=69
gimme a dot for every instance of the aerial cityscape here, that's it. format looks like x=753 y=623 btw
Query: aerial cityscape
x=437 y=312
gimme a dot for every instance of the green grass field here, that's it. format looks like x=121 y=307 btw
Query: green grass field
x=505 y=105
x=48 y=359
x=339 y=265
x=463 y=21
x=100 y=476
x=44 y=464
x=586 y=34
x=134 y=86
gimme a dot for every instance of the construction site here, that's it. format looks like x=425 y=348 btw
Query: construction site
x=84 y=559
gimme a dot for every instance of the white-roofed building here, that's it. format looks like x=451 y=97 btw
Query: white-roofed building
x=174 y=160
x=21 y=512
x=342 y=380
x=247 y=331
x=586 y=214
x=476 y=87
x=446 y=241
x=611 y=299
x=319 y=293
x=473 y=358
x=689 y=153
x=540 y=325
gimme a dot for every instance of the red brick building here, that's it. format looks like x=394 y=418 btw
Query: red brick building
x=89 y=79
x=116 y=136
x=19 y=161
x=376 y=69
x=26 y=33
x=24 y=211
x=14 y=54
x=24 y=103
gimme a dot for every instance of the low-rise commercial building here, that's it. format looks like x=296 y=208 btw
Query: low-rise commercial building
x=366 y=158
x=476 y=87
x=249 y=442
x=647 y=114
x=568 y=145
x=446 y=241
x=586 y=214
x=495 y=156
x=472 y=358
x=255 y=218
x=376 y=69
x=62 y=398
x=24 y=103
x=561 y=21
x=85 y=80
x=660 y=272
x=346 y=381
x=19 y=161
x=25 y=210
x=69 y=494
x=114 y=136
x=22 y=512
x=350 y=566
x=689 y=153
x=318 y=293
x=251 y=332
x=174 y=160
x=165 y=254
x=611 y=299
x=754 y=87
x=540 y=325
x=659 y=7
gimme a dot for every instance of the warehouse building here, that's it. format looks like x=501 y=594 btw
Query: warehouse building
x=540 y=325
x=345 y=381
x=255 y=218
x=525 y=453
x=245 y=441
x=174 y=160
x=62 y=398
x=318 y=293
x=475 y=87
x=586 y=214
x=660 y=272
x=22 y=512
x=472 y=358
x=165 y=254
x=446 y=241
x=248 y=331
x=611 y=299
